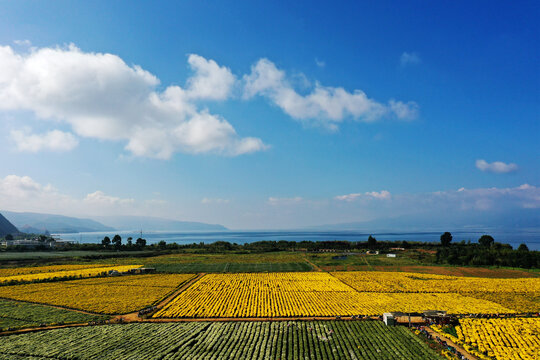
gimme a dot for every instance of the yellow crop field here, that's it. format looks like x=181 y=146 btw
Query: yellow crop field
x=512 y=339
x=109 y=295
x=304 y=294
x=44 y=269
x=82 y=273
x=514 y=295
x=422 y=283
x=527 y=302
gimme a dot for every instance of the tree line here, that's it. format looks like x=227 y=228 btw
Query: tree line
x=486 y=252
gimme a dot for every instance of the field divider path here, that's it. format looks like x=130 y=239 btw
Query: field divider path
x=41 y=328
x=315 y=267
x=451 y=343
x=134 y=316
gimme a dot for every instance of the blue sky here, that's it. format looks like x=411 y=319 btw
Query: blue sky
x=270 y=114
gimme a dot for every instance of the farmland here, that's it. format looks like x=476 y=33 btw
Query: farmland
x=28 y=274
x=429 y=283
x=14 y=314
x=100 y=295
x=46 y=269
x=502 y=338
x=231 y=267
x=497 y=338
x=305 y=294
x=238 y=340
x=226 y=300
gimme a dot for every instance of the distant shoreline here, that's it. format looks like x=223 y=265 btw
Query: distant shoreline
x=514 y=238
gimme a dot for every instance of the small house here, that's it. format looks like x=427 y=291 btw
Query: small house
x=388 y=319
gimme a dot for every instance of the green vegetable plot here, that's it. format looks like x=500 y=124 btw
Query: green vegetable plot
x=222 y=340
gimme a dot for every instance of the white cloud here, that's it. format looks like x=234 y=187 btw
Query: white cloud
x=381 y=195
x=496 y=167
x=102 y=97
x=523 y=196
x=22 y=186
x=214 y=201
x=22 y=193
x=404 y=111
x=320 y=63
x=99 y=197
x=409 y=59
x=54 y=140
x=284 y=201
x=210 y=81
x=25 y=42
x=325 y=105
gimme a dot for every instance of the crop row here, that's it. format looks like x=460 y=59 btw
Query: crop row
x=304 y=294
x=231 y=267
x=14 y=314
x=107 y=295
x=45 y=269
x=232 y=340
x=512 y=338
x=370 y=281
x=72 y=273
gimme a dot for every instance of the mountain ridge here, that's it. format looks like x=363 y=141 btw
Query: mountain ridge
x=150 y=223
x=53 y=223
x=6 y=227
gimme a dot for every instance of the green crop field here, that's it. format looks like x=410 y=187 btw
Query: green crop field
x=221 y=340
x=231 y=267
x=15 y=314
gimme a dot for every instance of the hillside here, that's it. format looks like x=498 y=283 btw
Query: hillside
x=149 y=223
x=53 y=223
x=6 y=227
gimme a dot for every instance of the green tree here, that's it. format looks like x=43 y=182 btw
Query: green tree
x=129 y=241
x=446 y=239
x=523 y=248
x=9 y=237
x=106 y=241
x=117 y=240
x=486 y=240
x=140 y=242
x=371 y=242
x=162 y=244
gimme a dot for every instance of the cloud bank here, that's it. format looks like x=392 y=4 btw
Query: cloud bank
x=22 y=193
x=102 y=97
x=382 y=195
x=496 y=167
x=54 y=140
x=325 y=105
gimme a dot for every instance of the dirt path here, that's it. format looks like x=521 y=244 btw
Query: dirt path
x=451 y=343
x=134 y=316
x=42 y=328
x=315 y=267
x=365 y=259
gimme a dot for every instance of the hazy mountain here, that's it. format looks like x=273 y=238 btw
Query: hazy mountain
x=135 y=223
x=32 y=230
x=53 y=223
x=466 y=221
x=6 y=227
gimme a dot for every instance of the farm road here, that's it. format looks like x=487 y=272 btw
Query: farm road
x=451 y=343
